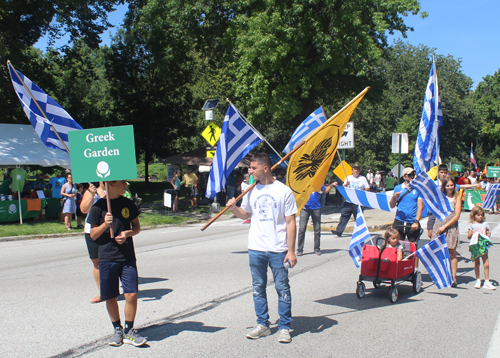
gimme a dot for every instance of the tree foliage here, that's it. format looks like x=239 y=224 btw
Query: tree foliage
x=23 y=23
x=487 y=105
x=395 y=106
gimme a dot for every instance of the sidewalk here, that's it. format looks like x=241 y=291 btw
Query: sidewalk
x=376 y=220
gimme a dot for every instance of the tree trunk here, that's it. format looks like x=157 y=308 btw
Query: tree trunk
x=146 y=168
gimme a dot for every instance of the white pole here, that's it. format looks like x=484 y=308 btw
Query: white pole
x=20 y=210
x=436 y=107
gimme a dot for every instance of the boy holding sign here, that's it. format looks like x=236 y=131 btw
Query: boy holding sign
x=117 y=260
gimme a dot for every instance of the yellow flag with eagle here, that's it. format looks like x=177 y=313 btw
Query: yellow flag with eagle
x=310 y=162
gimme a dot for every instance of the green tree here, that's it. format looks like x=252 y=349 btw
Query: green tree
x=81 y=76
x=292 y=56
x=487 y=105
x=395 y=105
x=149 y=86
x=23 y=23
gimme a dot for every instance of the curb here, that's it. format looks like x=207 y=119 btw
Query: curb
x=57 y=235
x=350 y=229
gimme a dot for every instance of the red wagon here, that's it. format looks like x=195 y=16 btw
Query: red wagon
x=380 y=265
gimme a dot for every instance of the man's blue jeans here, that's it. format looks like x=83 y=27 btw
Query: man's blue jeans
x=259 y=260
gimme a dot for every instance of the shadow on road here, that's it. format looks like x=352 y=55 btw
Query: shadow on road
x=159 y=332
x=374 y=298
x=302 y=324
x=144 y=280
x=153 y=294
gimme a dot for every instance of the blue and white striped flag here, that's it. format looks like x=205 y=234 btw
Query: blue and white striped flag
x=43 y=104
x=237 y=139
x=359 y=236
x=425 y=155
x=371 y=200
x=432 y=196
x=491 y=196
x=436 y=259
x=315 y=119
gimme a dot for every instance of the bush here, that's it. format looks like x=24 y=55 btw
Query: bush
x=163 y=174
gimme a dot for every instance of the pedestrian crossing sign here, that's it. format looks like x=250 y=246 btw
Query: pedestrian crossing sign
x=211 y=133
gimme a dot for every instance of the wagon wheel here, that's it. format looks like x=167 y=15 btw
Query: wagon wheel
x=393 y=294
x=417 y=282
x=360 y=290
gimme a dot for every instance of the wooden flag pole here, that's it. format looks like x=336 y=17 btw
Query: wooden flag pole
x=108 y=202
x=36 y=102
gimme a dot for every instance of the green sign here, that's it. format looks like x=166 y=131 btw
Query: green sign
x=456 y=167
x=493 y=172
x=473 y=198
x=102 y=154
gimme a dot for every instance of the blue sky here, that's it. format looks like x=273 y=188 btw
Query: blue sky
x=463 y=29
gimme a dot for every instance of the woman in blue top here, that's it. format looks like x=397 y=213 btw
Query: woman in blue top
x=176 y=183
x=68 y=191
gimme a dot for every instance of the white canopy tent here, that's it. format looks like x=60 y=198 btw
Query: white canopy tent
x=20 y=145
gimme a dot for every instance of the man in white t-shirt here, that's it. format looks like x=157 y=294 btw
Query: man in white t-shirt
x=472 y=177
x=370 y=177
x=354 y=181
x=271 y=242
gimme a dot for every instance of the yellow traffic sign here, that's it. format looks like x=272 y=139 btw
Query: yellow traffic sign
x=339 y=171
x=211 y=152
x=211 y=134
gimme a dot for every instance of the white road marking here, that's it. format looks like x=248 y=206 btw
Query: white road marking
x=494 y=349
x=464 y=224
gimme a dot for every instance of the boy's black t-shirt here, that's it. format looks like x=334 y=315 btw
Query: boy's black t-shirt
x=124 y=211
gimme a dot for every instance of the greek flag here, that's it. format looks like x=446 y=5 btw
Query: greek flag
x=432 y=196
x=491 y=196
x=315 y=119
x=42 y=111
x=371 y=200
x=359 y=236
x=425 y=155
x=237 y=139
x=436 y=259
x=473 y=159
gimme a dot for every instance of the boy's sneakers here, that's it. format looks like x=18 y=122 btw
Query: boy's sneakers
x=489 y=286
x=284 y=336
x=116 y=340
x=132 y=337
x=478 y=284
x=259 y=331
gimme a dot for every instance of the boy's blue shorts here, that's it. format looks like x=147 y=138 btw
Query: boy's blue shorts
x=112 y=272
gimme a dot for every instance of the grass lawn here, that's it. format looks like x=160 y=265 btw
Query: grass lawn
x=57 y=227
x=152 y=193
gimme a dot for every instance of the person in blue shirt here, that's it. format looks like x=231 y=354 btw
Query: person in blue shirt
x=56 y=183
x=410 y=206
x=311 y=209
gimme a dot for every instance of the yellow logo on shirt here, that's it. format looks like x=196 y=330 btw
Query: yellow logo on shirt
x=125 y=213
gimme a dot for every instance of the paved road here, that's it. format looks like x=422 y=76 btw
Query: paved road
x=196 y=300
